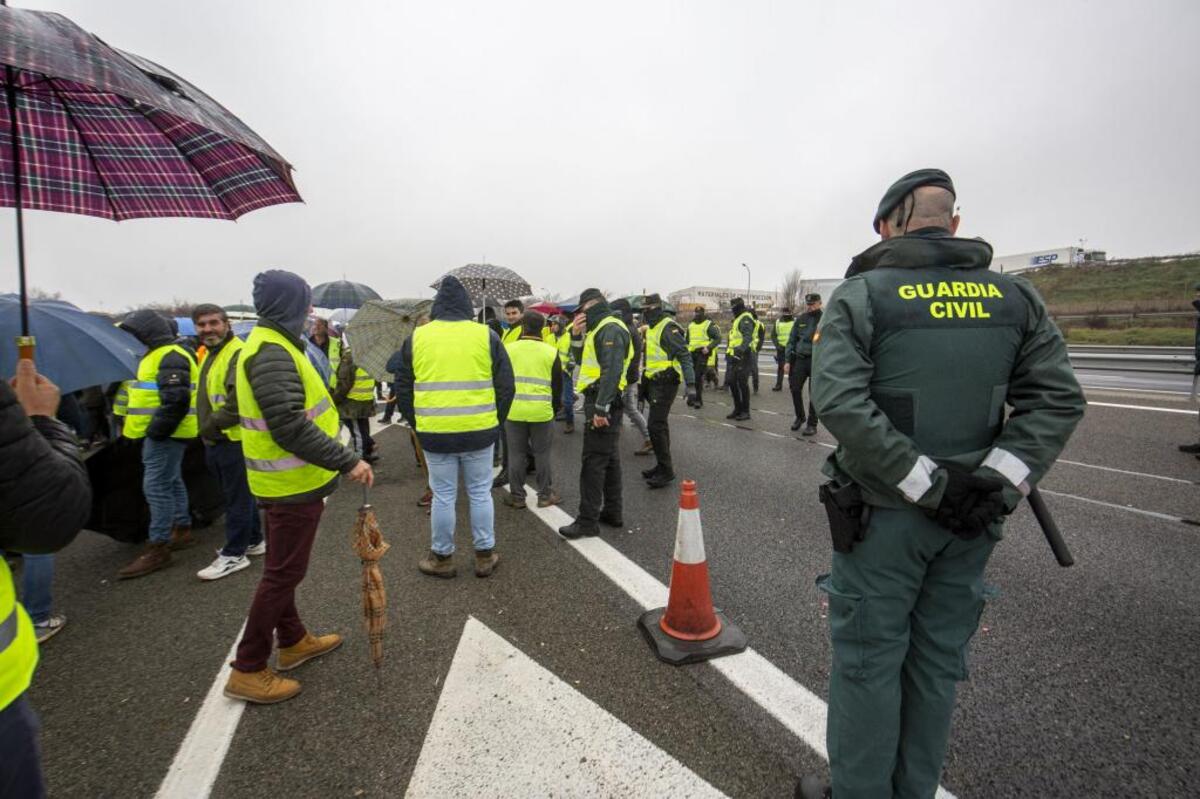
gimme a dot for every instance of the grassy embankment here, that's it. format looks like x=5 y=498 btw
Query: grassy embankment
x=1112 y=303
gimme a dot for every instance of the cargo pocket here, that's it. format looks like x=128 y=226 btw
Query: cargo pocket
x=846 y=622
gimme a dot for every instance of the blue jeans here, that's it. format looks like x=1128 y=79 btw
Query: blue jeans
x=443 y=480
x=242 y=526
x=568 y=398
x=36 y=579
x=162 y=483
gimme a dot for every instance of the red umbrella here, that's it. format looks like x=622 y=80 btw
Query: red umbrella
x=546 y=308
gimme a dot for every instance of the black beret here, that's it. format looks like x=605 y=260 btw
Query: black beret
x=906 y=185
x=812 y=297
x=587 y=295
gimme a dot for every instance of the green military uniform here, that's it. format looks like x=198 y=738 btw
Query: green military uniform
x=917 y=355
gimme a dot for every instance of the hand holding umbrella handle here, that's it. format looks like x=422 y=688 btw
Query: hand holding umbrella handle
x=25 y=347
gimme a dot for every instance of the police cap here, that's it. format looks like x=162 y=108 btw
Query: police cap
x=906 y=185
x=652 y=299
x=811 y=298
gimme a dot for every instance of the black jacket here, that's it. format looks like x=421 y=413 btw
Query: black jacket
x=213 y=422
x=279 y=390
x=453 y=304
x=45 y=496
x=174 y=372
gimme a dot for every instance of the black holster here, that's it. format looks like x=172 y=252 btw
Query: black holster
x=848 y=514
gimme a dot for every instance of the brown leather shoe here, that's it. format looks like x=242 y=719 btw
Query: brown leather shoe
x=263 y=687
x=153 y=558
x=309 y=647
x=436 y=565
x=426 y=499
x=181 y=537
x=552 y=499
x=647 y=449
x=512 y=500
x=485 y=562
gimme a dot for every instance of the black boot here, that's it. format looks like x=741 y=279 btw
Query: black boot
x=1190 y=449
x=810 y=430
x=577 y=529
x=796 y=425
x=501 y=479
x=661 y=480
x=648 y=473
x=611 y=520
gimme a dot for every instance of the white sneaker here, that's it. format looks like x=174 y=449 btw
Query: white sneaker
x=45 y=630
x=258 y=549
x=223 y=566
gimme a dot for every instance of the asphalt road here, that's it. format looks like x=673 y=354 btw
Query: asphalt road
x=1082 y=680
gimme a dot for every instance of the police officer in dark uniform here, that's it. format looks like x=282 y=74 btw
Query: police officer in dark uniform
x=797 y=364
x=668 y=363
x=918 y=354
x=740 y=353
x=603 y=364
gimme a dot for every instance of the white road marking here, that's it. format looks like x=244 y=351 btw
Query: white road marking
x=198 y=761
x=1128 y=472
x=1141 y=408
x=1128 y=508
x=787 y=701
x=545 y=738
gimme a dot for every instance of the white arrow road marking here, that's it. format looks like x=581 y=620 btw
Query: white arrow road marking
x=787 y=701
x=505 y=726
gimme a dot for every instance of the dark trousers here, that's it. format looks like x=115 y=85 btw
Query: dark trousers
x=739 y=382
x=600 y=475
x=389 y=409
x=360 y=435
x=802 y=371
x=291 y=530
x=242 y=525
x=529 y=441
x=20 y=754
x=661 y=393
x=778 y=369
x=753 y=358
x=699 y=366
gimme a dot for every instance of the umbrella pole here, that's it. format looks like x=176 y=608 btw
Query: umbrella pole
x=25 y=342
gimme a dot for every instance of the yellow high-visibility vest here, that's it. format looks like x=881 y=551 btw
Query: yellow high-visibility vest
x=121 y=398
x=144 y=400
x=533 y=372
x=363 y=389
x=271 y=470
x=783 y=331
x=564 y=348
x=452 y=377
x=335 y=358
x=589 y=368
x=18 y=643
x=698 y=335
x=735 y=332
x=214 y=382
x=760 y=331
x=657 y=359
x=514 y=334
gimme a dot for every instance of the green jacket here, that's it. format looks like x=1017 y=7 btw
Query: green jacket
x=999 y=349
x=800 y=342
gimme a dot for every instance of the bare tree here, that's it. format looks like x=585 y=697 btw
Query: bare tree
x=792 y=290
x=36 y=293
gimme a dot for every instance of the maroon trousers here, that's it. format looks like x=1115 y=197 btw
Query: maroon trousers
x=290 y=531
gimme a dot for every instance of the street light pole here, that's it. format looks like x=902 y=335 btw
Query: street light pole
x=748 y=285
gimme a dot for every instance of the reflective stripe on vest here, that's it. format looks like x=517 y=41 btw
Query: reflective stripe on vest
x=214 y=382
x=783 y=331
x=144 y=400
x=760 y=333
x=657 y=359
x=18 y=644
x=363 y=389
x=271 y=470
x=533 y=370
x=335 y=357
x=698 y=335
x=121 y=399
x=452 y=377
x=735 y=331
x=589 y=367
x=564 y=348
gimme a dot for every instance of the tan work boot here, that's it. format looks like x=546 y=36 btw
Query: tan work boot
x=485 y=562
x=181 y=537
x=153 y=558
x=436 y=565
x=309 y=647
x=552 y=499
x=647 y=449
x=263 y=687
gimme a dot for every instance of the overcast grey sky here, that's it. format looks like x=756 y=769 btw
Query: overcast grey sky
x=647 y=145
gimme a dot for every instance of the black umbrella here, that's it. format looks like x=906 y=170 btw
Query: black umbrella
x=343 y=294
x=487 y=283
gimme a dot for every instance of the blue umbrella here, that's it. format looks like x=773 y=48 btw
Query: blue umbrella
x=75 y=349
x=186 y=326
x=342 y=294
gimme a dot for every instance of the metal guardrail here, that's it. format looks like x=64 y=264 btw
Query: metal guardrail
x=1162 y=360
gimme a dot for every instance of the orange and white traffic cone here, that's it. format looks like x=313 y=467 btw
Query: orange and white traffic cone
x=689 y=629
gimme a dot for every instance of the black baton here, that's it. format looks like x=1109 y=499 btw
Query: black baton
x=1053 y=537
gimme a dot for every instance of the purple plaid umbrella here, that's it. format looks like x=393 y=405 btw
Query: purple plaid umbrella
x=89 y=129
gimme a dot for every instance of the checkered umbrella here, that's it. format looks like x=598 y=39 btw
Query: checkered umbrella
x=485 y=282
x=89 y=129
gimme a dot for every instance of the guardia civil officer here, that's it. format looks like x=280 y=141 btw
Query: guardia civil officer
x=917 y=355
x=740 y=354
x=703 y=339
x=668 y=362
x=607 y=353
x=781 y=331
x=797 y=358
